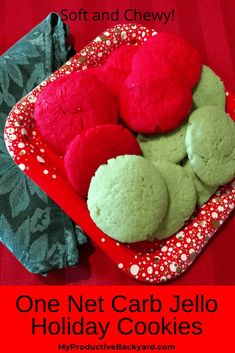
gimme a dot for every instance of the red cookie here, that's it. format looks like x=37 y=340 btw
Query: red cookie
x=116 y=69
x=94 y=147
x=154 y=104
x=121 y=58
x=71 y=104
x=172 y=50
x=112 y=78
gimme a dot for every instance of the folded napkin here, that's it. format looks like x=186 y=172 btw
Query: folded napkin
x=32 y=226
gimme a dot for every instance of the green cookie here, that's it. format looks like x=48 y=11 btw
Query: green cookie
x=168 y=147
x=209 y=90
x=127 y=198
x=210 y=144
x=182 y=198
x=204 y=191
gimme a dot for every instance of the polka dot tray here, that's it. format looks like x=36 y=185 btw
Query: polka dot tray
x=148 y=262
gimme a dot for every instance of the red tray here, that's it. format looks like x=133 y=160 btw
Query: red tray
x=151 y=262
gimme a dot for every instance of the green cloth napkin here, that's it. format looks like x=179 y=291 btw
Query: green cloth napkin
x=32 y=226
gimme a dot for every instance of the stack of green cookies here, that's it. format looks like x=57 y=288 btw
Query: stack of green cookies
x=133 y=198
x=205 y=144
